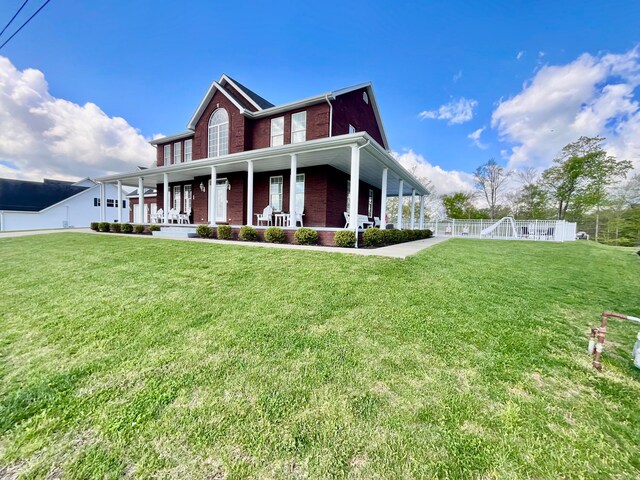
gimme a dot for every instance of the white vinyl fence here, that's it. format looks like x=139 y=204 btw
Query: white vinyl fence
x=505 y=229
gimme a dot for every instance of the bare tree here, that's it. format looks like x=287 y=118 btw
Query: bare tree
x=490 y=178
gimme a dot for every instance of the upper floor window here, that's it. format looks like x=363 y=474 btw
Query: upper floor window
x=352 y=129
x=218 y=133
x=298 y=127
x=177 y=152
x=167 y=154
x=277 y=131
x=188 y=149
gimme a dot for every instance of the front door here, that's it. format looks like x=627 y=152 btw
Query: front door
x=221 y=200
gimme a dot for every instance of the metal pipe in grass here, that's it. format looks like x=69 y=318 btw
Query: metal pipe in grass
x=598 y=334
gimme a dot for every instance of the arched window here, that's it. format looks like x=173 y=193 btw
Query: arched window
x=218 y=133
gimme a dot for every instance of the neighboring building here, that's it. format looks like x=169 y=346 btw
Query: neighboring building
x=150 y=205
x=305 y=159
x=54 y=204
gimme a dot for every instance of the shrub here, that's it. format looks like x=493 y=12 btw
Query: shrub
x=154 y=228
x=94 y=226
x=274 y=235
x=248 y=233
x=204 y=231
x=373 y=237
x=115 y=227
x=224 y=232
x=402 y=236
x=305 y=236
x=412 y=235
x=345 y=238
x=428 y=233
x=126 y=228
x=103 y=226
x=138 y=228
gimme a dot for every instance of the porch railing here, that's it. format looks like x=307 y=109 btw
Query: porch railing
x=505 y=229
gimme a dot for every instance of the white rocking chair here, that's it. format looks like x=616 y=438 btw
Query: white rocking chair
x=265 y=216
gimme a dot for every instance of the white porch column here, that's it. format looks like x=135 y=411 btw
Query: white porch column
x=413 y=209
x=141 y=199
x=213 y=195
x=292 y=190
x=103 y=202
x=250 y=192
x=400 y=199
x=421 y=212
x=119 y=201
x=383 y=200
x=355 y=188
x=165 y=199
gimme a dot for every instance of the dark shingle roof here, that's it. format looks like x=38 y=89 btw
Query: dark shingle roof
x=34 y=196
x=253 y=95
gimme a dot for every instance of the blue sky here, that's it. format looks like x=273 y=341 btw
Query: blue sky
x=151 y=62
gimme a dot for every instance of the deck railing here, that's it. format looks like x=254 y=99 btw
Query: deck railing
x=505 y=229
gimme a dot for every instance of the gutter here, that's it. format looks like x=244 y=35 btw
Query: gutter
x=330 y=114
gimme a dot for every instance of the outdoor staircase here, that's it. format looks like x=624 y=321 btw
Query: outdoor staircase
x=176 y=232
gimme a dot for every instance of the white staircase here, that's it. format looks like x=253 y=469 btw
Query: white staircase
x=176 y=232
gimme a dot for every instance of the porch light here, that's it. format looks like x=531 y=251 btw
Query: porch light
x=202 y=188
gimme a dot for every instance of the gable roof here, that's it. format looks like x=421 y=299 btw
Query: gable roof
x=25 y=196
x=259 y=102
x=148 y=192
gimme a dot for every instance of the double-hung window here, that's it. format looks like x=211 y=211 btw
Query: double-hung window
x=275 y=193
x=298 y=127
x=277 y=131
x=177 y=153
x=176 y=197
x=110 y=202
x=187 y=199
x=370 y=204
x=167 y=155
x=188 y=149
x=300 y=193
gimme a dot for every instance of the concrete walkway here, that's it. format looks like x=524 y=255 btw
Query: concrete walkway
x=402 y=250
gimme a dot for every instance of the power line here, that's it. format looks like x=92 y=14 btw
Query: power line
x=14 y=17
x=24 y=24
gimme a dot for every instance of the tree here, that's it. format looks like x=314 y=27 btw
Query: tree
x=490 y=178
x=580 y=178
x=460 y=205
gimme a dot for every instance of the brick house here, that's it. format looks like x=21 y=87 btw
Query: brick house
x=305 y=159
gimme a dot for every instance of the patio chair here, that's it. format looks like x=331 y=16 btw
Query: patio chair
x=174 y=216
x=265 y=216
x=364 y=222
x=376 y=222
x=183 y=218
x=160 y=215
x=299 y=216
x=346 y=218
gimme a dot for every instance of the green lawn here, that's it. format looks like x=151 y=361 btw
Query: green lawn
x=161 y=359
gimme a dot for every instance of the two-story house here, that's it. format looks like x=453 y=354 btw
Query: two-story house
x=306 y=159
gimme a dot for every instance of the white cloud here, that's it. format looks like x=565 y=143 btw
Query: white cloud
x=44 y=136
x=475 y=138
x=456 y=111
x=457 y=76
x=593 y=95
x=444 y=181
x=520 y=54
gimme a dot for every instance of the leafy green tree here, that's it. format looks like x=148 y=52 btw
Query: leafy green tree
x=460 y=205
x=580 y=178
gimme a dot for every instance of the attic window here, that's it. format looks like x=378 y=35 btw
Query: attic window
x=365 y=97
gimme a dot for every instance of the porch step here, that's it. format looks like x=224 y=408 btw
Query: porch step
x=176 y=232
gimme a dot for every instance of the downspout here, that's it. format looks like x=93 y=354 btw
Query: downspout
x=357 y=199
x=330 y=114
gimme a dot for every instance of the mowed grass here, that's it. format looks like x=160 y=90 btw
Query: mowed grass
x=163 y=359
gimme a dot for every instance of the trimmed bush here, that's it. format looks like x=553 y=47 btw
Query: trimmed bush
x=154 y=228
x=305 y=236
x=274 y=235
x=115 y=227
x=373 y=237
x=224 y=232
x=402 y=236
x=94 y=226
x=205 y=231
x=248 y=234
x=138 y=228
x=345 y=238
x=126 y=228
x=428 y=233
x=103 y=226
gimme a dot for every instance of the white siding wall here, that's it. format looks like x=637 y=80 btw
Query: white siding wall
x=78 y=211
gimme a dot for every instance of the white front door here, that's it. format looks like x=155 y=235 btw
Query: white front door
x=221 y=200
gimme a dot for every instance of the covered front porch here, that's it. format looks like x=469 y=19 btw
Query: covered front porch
x=309 y=184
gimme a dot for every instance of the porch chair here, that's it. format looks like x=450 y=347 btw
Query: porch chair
x=265 y=216
x=160 y=215
x=376 y=222
x=184 y=217
x=299 y=216
x=173 y=216
x=346 y=219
